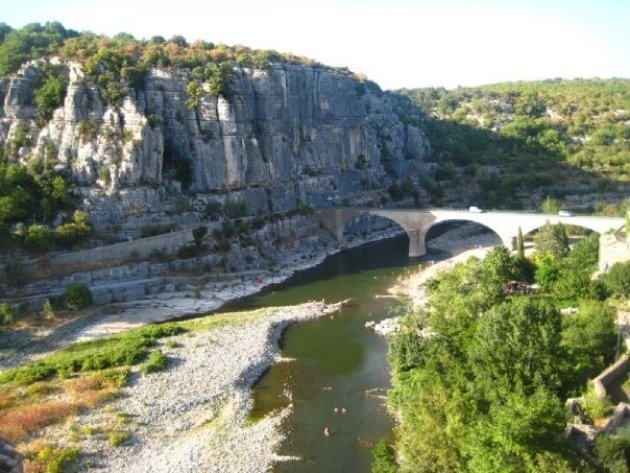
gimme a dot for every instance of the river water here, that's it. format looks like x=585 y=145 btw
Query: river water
x=337 y=362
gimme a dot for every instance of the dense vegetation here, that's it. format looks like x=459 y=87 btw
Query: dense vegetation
x=124 y=59
x=516 y=137
x=481 y=377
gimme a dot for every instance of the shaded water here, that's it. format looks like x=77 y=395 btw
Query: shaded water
x=337 y=361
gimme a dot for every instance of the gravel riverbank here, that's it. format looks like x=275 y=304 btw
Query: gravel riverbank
x=193 y=416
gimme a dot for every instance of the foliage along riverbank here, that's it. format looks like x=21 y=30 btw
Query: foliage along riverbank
x=164 y=398
x=481 y=375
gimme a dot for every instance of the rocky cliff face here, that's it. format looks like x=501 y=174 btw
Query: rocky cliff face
x=283 y=136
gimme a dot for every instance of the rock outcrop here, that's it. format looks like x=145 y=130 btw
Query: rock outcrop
x=282 y=136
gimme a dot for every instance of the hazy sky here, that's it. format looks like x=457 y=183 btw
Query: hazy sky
x=397 y=43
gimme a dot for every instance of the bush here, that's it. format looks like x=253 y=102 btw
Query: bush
x=77 y=296
x=384 y=458
x=7 y=313
x=38 y=238
x=617 y=281
x=50 y=96
x=613 y=451
x=596 y=407
x=198 y=234
x=189 y=250
x=55 y=459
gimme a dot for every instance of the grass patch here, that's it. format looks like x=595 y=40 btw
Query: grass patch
x=157 y=362
x=91 y=390
x=595 y=407
x=51 y=459
x=216 y=321
x=18 y=422
x=125 y=349
x=117 y=437
x=171 y=344
x=84 y=375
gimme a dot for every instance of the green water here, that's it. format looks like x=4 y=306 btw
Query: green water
x=337 y=360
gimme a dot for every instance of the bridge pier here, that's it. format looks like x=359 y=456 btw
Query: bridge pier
x=417 y=243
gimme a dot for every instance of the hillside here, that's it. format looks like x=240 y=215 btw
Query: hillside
x=517 y=142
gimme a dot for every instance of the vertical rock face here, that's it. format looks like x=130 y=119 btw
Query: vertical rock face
x=285 y=135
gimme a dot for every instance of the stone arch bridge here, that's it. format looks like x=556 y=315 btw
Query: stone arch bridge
x=505 y=224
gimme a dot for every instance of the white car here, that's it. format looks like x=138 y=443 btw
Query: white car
x=564 y=213
x=475 y=209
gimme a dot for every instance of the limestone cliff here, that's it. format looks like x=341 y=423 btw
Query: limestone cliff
x=281 y=136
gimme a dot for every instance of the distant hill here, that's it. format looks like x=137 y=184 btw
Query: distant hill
x=554 y=136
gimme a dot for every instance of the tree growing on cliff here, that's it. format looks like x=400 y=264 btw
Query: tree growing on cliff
x=198 y=234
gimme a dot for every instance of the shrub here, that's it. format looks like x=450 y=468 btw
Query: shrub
x=77 y=296
x=596 y=407
x=7 y=313
x=384 y=458
x=38 y=238
x=50 y=96
x=617 y=281
x=613 y=450
x=55 y=459
x=48 y=311
x=120 y=350
x=188 y=250
x=198 y=234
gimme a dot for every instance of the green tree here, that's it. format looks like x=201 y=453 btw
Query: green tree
x=50 y=95
x=551 y=205
x=193 y=93
x=617 y=280
x=552 y=239
x=516 y=348
x=590 y=338
x=515 y=433
x=74 y=232
x=198 y=234
x=613 y=451
x=384 y=458
x=7 y=313
x=77 y=296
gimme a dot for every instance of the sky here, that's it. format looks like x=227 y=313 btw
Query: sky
x=396 y=43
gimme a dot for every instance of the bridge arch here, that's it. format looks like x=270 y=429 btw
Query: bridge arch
x=335 y=220
x=435 y=227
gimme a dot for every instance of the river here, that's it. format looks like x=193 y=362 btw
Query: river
x=337 y=362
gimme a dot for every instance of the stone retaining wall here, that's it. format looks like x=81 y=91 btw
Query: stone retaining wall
x=612 y=372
